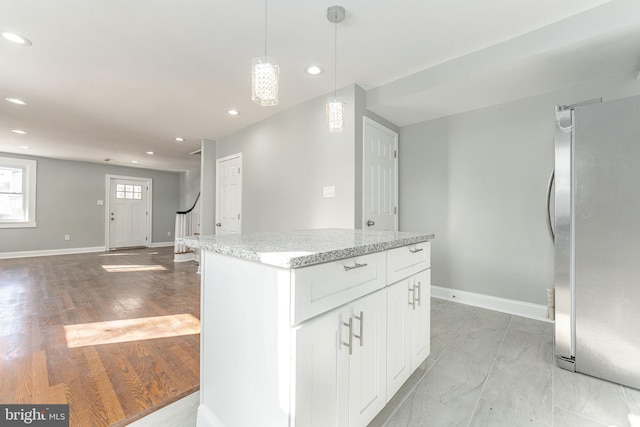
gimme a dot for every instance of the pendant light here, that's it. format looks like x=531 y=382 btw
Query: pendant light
x=335 y=104
x=264 y=75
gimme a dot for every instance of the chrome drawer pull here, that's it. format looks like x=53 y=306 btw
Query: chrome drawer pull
x=416 y=250
x=361 y=319
x=350 y=343
x=419 y=286
x=356 y=265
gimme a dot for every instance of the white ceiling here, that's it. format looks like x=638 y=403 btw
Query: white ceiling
x=116 y=78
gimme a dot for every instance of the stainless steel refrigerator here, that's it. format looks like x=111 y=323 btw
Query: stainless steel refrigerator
x=597 y=239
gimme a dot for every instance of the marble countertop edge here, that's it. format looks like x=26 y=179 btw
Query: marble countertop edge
x=302 y=248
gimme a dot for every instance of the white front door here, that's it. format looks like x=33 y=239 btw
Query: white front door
x=380 y=181
x=128 y=213
x=229 y=194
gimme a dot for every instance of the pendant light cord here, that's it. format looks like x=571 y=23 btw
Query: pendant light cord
x=265 y=29
x=335 y=54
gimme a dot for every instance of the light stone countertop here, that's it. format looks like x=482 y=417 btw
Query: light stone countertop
x=301 y=248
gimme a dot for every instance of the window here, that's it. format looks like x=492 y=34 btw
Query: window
x=17 y=193
x=128 y=191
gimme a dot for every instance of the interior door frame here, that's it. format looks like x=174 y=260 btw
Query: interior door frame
x=369 y=121
x=219 y=180
x=107 y=206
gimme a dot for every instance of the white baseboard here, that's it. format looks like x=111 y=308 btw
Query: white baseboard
x=517 y=308
x=183 y=257
x=67 y=251
x=161 y=244
x=49 y=252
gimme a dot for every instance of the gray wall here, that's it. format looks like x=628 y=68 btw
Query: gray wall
x=67 y=192
x=287 y=159
x=208 y=185
x=478 y=181
x=189 y=188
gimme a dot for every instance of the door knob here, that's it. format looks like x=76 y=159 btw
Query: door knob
x=218 y=224
x=370 y=223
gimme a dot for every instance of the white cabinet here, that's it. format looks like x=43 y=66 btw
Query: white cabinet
x=322 y=372
x=408 y=321
x=367 y=374
x=324 y=345
x=341 y=364
x=420 y=315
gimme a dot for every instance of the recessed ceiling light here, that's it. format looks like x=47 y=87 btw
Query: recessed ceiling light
x=233 y=112
x=16 y=101
x=314 y=70
x=178 y=139
x=150 y=153
x=24 y=147
x=21 y=132
x=16 y=38
x=134 y=161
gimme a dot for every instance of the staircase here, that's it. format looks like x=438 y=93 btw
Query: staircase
x=187 y=224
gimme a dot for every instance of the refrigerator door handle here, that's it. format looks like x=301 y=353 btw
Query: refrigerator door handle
x=549 y=221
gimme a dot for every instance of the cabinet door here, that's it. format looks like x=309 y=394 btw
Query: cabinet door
x=421 y=319
x=398 y=338
x=367 y=384
x=322 y=372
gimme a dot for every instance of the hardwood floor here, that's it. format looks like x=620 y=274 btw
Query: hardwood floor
x=106 y=384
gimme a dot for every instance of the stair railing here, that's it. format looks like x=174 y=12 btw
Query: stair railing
x=187 y=224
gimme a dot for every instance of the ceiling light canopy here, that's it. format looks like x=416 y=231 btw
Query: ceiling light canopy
x=151 y=153
x=19 y=131
x=16 y=38
x=16 y=101
x=233 y=112
x=178 y=139
x=265 y=75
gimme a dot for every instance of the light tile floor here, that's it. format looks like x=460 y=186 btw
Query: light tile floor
x=488 y=368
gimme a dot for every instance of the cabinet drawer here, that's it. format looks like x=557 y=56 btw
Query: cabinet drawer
x=322 y=287
x=407 y=260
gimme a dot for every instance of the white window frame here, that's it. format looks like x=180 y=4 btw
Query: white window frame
x=28 y=190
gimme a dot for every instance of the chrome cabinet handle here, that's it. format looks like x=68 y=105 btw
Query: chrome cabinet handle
x=361 y=319
x=416 y=250
x=218 y=224
x=419 y=286
x=350 y=342
x=354 y=266
x=549 y=222
x=370 y=223
x=412 y=301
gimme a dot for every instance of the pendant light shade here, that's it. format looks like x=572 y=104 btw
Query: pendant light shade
x=335 y=104
x=335 y=114
x=265 y=75
x=264 y=81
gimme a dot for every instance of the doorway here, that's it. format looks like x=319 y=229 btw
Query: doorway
x=128 y=212
x=229 y=195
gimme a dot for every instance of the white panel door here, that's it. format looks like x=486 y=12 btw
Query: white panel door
x=368 y=367
x=229 y=195
x=420 y=318
x=322 y=373
x=380 y=180
x=128 y=213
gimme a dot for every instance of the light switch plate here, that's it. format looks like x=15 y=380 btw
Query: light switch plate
x=329 y=191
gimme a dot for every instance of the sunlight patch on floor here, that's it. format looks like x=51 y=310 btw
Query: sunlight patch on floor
x=126 y=330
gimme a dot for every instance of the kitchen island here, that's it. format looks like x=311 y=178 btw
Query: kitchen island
x=309 y=327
